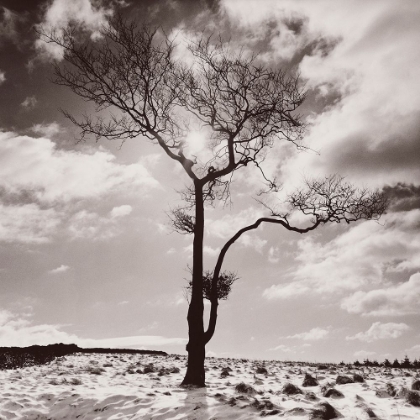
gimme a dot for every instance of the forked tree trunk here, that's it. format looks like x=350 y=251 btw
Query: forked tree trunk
x=196 y=345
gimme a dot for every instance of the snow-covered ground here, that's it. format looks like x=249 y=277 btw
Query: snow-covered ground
x=104 y=386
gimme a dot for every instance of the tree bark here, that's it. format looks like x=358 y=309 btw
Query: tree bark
x=195 y=374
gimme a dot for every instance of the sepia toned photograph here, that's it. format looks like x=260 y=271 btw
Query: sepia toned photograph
x=209 y=209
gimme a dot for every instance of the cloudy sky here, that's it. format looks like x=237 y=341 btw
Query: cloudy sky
x=86 y=251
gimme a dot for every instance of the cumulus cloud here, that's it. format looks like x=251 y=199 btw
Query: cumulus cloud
x=379 y=331
x=283 y=348
x=314 y=334
x=29 y=102
x=37 y=179
x=28 y=223
x=273 y=255
x=86 y=14
x=90 y=225
x=403 y=197
x=363 y=354
x=285 y=291
x=20 y=331
x=47 y=130
x=8 y=24
x=121 y=211
x=389 y=247
x=133 y=341
x=398 y=300
x=212 y=252
x=225 y=227
x=61 y=269
x=54 y=175
x=362 y=81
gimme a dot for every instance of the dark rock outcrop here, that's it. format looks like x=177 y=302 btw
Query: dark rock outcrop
x=415 y=386
x=358 y=378
x=309 y=380
x=324 y=411
x=333 y=393
x=342 y=380
x=291 y=389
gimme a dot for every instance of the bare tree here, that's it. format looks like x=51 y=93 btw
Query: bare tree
x=245 y=106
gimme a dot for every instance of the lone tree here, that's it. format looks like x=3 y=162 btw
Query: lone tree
x=245 y=107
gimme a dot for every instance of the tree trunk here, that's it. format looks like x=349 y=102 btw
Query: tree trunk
x=212 y=321
x=196 y=345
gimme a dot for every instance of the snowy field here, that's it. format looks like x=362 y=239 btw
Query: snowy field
x=104 y=386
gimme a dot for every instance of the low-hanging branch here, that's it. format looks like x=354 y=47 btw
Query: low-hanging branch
x=329 y=200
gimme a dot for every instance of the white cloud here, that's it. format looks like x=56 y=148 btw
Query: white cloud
x=89 y=225
x=27 y=223
x=2 y=77
x=285 y=291
x=62 y=269
x=121 y=211
x=401 y=299
x=379 y=331
x=29 y=102
x=8 y=28
x=212 y=252
x=51 y=174
x=87 y=14
x=283 y=348
x=19 y=331
x=363 y=354
x=363 y=62
x=313 y=335
x=413 y=352
x=273 y=255
x=47 y=130
x=133 y=341
x=329 y=268
x=252 y=241
x=226 y=226
x=35 y=170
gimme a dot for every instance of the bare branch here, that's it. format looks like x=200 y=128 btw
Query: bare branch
x=333 y=200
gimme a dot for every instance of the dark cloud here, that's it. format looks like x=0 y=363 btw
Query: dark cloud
x=403 y=197
x=397 y=151
x=23 y=6
x=171 y=13
x=26 y=77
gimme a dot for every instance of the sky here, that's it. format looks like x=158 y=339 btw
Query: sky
x=87 y=254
